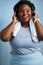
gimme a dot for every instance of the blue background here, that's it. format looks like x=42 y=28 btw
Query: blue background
x=6 y=12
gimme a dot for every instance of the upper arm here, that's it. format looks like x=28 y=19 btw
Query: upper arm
x=6 y=39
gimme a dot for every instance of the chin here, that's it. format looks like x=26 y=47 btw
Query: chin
x=25 y=21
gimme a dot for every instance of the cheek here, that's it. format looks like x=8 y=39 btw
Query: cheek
x=20 y=14
x=30 y=14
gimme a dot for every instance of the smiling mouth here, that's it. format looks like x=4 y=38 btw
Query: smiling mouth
x=25 y=16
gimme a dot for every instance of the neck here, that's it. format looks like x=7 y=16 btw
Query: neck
x=25 y=24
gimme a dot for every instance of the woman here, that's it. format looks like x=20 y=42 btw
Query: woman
x=24 y=50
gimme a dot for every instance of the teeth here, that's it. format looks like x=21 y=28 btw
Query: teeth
x=25 y=16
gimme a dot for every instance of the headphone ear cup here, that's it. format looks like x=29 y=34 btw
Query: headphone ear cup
x=33 y=14
x=17 y=14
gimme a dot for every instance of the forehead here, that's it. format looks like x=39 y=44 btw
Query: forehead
x=23 y=6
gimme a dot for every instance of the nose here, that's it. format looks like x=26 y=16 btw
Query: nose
x=24 y=12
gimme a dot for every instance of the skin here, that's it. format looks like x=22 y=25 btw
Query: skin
x=25 y=14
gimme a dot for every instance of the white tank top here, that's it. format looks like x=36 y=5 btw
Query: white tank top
x=22 y=43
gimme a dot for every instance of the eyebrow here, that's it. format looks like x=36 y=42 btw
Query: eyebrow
x=25 y=9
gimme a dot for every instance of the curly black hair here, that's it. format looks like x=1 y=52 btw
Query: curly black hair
x=17 y=6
